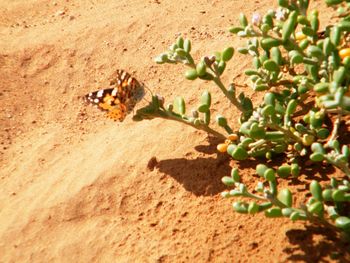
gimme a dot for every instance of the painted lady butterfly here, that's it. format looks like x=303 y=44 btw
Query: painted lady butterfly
x=120 y=98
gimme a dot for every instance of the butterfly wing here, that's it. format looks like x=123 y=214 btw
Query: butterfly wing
x=106 y=100
x=120 y=99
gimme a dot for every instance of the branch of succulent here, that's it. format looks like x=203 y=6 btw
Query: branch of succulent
x=299 y=69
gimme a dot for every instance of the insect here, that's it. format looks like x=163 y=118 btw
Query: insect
x=120 y=98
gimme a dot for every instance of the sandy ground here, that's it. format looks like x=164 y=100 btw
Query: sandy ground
x=77 y=187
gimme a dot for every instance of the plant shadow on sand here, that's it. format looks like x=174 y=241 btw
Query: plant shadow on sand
x=317 y=244
x=200 y=176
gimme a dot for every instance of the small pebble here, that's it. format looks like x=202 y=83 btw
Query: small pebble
x=60 y=13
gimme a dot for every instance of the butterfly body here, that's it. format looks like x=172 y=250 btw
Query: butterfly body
x=120 y=98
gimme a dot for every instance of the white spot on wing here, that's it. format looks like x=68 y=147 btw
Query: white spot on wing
x=123 y=75
x=100 y=93
x=114 y=92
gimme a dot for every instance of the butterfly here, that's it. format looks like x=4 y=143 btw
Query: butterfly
x=120 y=98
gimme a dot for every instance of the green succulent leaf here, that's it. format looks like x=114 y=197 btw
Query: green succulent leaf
x=227 y=54
x=316 y=190
x=343 y=222
x=179 y=105
x=274 y=212
x=285 y=196
x=191 y=74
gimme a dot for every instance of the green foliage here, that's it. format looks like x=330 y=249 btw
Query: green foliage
x=304 y=75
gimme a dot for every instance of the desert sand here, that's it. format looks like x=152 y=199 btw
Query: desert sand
x=78 y=187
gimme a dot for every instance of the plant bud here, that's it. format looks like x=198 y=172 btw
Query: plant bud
x=196 y=121
x=170 y=107
x=194 y=113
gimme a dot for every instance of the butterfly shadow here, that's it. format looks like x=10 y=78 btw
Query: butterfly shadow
x=200 y=176
x=317 y=244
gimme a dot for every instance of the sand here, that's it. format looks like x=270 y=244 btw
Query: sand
x=77 y=187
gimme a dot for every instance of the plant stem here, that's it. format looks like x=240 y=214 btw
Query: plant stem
x=162 y=113
x=287 y=133
x=232 y=99
x=336 y=125
x=284 y=82
x=343 y=166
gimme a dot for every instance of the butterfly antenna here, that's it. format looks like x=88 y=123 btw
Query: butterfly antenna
x=150 y=91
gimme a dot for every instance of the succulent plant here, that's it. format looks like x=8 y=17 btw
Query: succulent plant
x=304 y=75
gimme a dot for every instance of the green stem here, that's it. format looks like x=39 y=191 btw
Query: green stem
x=161 y=113
x=285 y=82
x=232 y=99
x=336 y=126
x=343 y=166
x=286 y=132
x=258 y=197
x=302 y=211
